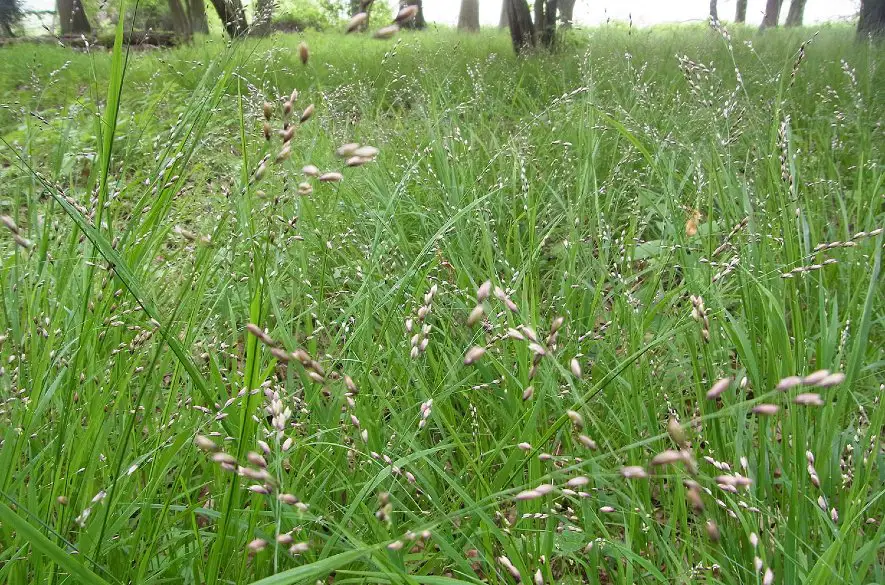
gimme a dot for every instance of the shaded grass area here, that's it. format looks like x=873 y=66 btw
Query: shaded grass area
x=651 y=187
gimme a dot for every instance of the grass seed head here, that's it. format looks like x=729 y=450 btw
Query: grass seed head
x=347 y=150
x=667 y=457
x=303 y=52
x=358 y=20
x=311 y=171
x=766 y=409
x=257 y=545
x=808 y=399
x=634 y=472
x=474 y=354
x=482 y=293
x=528 y=393
x=787 y=383
x=718 y=388
x=330 y=177
x=815 y=378
x=575 y=366
x=576 y=418
x=307 y=113
x=475 y=315
x=205 y=443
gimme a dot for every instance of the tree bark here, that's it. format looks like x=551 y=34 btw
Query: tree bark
x=196 y=12
x=797 y=11
x=72 y=18
x=180 y=23
x=714 y=12
x=566 y=13
x=740 y=13
x=468 y=16
x=548 y=33
x=519 y=19
x=417 y=23
x=772 y=13
x=262 y=16
x=872 y=19
x=232 y=16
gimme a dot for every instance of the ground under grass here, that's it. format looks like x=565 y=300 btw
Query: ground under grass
x=679 y=228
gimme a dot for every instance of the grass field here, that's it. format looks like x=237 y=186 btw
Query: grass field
x=660 y=214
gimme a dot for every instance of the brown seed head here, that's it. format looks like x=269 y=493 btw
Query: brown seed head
x=303 y=52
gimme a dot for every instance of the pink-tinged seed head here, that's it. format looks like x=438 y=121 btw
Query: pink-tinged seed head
x=474 y=354
x=718 y=388
x=205 y=443
x=766 y=409
x=307 y=113
x=406 y=14
x=606 y=509
x=768 y=578
x=814 y=378
x=787 y=383
x=331 y=177
x=666 y=457
x=257 y=545
x=634 y=472
x=475 y=315
x=527 y=495
x=357 y=21
x=832 y=380
x=347 y=150
x=588 y=442
x=575 y=367
x=576 y=418
x=528 y=393
x=311 y=171
x=579 y=481
x=808 y=399
x=482 y=293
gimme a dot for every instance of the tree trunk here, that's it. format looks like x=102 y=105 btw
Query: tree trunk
x=504 y=22
x=566 y=13
x=180 y=23
x=196 y=12
x=772 y=13
x=714 y=13
x=740 y=14
x=72 y=18
x=872 y=19
x=262 y=16
x=232 y=16
x=468 y=17
x=548 y=34
x=417 y=23
x=519 y=19
x=797 y=10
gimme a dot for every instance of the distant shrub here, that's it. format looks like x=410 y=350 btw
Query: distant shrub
x=302 y=16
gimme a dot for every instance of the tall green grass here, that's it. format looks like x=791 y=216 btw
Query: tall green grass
x=597 y=184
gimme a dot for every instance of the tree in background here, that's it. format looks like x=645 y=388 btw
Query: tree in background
x=772 y=13
x=418 y=22
x=872 y=19
x=566 y=13
x=232 y=16
x=196 y=15
x=72 y=18
x=797 y=11
x=740 y=13
x=180 y=23
x=468 y=16
x=10 y=14
x=262 y=17
x=545 y=21
x=503 y=22
x=714 y=13
x=519 y=19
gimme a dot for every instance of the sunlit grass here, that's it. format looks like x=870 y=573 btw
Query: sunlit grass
x=671 y=223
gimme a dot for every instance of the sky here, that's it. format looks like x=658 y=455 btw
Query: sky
x=644 y=12
x=648 y=12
